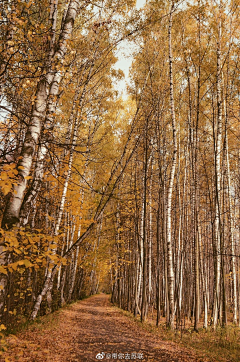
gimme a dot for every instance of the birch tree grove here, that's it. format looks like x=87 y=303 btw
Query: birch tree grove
x=135 y=194
x=192 y=237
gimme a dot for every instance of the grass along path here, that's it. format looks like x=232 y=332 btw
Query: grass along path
x=222 y=345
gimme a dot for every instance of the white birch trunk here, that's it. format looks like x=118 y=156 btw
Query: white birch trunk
x=170 y=322
x=233 y=251
x=150 y=237
x=49 y=276
x=218 y=148
x=47 y=86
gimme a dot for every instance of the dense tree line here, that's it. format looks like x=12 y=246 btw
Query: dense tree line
x=177 y=232
x=59 y=158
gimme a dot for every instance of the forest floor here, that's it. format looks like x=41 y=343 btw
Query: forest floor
x=91 y=328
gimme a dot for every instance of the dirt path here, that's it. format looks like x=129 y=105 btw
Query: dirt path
x=89 y=329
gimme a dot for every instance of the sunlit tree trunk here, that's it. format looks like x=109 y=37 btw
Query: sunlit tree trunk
x=144 y=226
x=46 y=87
x=171 y=292
x=150 y=234
x=217 y=155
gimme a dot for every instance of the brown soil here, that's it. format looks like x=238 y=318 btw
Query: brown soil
x=88 y=328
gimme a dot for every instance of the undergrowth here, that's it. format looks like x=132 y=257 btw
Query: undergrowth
x=221 y=345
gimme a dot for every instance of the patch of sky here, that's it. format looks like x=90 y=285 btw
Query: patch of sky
x=124 y=53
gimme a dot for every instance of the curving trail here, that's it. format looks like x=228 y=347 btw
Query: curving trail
x=88 y=328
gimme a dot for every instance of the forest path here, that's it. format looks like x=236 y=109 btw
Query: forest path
x=86 y=329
